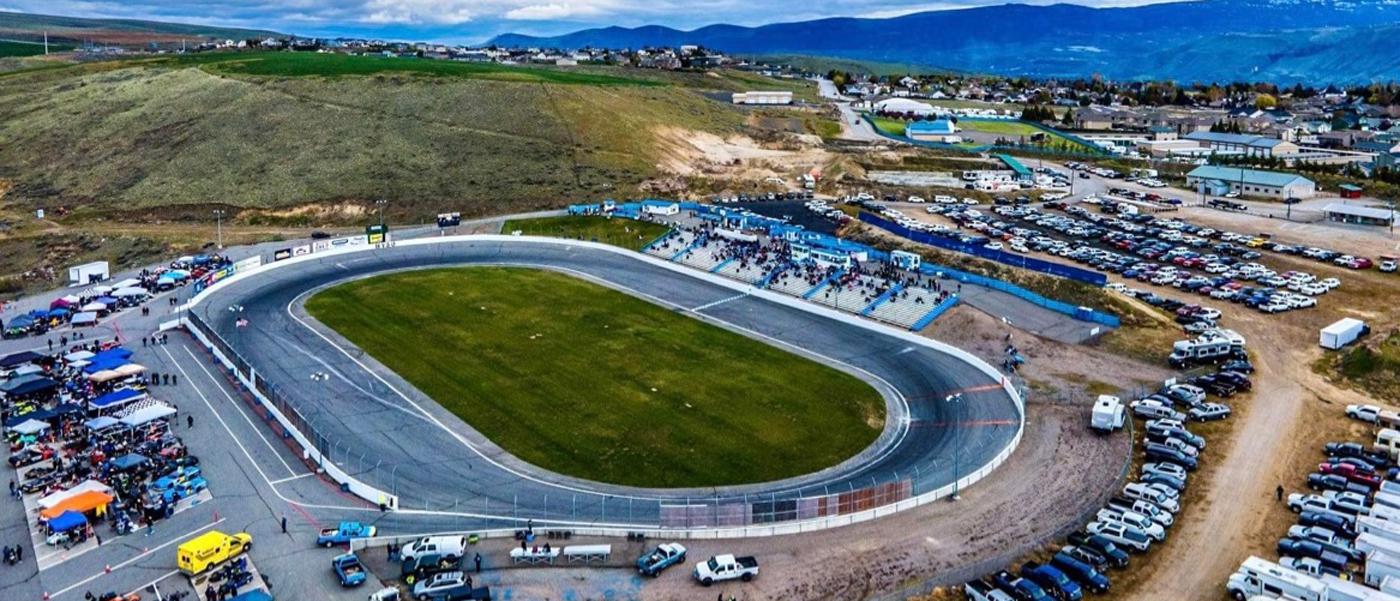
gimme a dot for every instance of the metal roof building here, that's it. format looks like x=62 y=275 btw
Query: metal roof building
x=1346 y=213
x=1218 y=181
x=1022 y=172
x=1248 y=145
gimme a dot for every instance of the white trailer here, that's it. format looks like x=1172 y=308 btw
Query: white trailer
x=1108 y=414
x=1370 y=543
x=1346 y=590
x=1388 y=499
x=1258 y=576
x=1341 y=333
x=1377 y=526
x=88 y=273
x=1379 y=566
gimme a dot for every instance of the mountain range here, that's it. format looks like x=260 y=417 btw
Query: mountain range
x=32 y=27
x=1284 y=41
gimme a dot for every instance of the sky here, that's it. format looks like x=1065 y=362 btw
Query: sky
x=475 y=21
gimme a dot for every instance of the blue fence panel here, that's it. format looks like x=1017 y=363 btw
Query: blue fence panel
x=942 y=308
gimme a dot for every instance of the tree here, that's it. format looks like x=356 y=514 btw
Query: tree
x=1265 y=102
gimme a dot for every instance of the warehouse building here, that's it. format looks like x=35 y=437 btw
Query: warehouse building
x=941 y=130
x=1345 y=213
x=1218 y=181
x=1242 y=144
x=764 y=98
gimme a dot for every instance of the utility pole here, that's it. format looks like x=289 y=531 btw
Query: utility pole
x=219 y=227
x=46 y=42
x=379 y=205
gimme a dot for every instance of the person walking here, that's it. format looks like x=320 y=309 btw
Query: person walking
x=1278 y=493
x=284 y=524
x=477 y=559
x=189 y=423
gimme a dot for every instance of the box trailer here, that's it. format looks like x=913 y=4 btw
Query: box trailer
x=1378 y=526
x=1108 y=414
x=1370 y=543
x=88 y=273
x=1341 y=333
x=1380 y=566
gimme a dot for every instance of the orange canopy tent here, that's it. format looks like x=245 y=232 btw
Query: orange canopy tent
x=81 y=503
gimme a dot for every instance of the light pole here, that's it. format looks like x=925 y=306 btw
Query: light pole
x=219 y=227
x=957 y=449
x=379 y=204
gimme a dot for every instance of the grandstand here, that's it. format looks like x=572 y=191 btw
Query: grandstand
x=906 y=307
x=672 y=243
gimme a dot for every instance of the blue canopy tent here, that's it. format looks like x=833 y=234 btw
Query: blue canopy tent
x=106 y=300
x=20 y=358
x=116 y=398
x=59 y=314
x=41 y=415
x=68 y=520
x=32 y=387
x=129 y=461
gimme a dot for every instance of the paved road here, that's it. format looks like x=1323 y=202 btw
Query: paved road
x=364 y=409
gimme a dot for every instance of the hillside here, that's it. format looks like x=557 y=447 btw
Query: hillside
x=302 y=139
x=31 y=27
x=1229 y=39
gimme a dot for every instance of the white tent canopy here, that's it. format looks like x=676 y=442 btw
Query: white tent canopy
x=101 y=422
x=63 y=495
x=30 y=426
x=148 y=414
x=78 y=356
x=129 y=292
x=94 y=306
x=127 y=283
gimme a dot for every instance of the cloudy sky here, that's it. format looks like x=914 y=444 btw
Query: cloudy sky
x=478 y=20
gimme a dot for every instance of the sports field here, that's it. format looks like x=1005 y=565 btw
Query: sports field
x=618 y=232
x=590 y=382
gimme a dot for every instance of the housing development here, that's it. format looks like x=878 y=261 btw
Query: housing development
x=388 y=302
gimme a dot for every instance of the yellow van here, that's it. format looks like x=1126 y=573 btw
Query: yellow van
x=199 y=553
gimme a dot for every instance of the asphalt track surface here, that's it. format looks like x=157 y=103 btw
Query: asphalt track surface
x=393 y=437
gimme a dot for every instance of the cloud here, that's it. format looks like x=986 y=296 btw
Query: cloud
x=555 y=11
x=476 y=20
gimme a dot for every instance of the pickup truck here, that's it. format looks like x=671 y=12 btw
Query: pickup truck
x=342 y=534
x=663 y=556
x=726 y=567
x=348 y=569
x=427 y=564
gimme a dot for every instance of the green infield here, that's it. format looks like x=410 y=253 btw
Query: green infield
x=618 y=232
x=1004 y=128
x=893 y=127
x=583 y=380
x=13 y=49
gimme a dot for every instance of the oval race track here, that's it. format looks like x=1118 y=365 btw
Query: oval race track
x=390 y=436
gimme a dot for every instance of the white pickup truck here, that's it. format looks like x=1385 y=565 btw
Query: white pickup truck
x=726 y=567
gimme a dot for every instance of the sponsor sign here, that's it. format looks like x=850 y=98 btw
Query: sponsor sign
x=449 y=219
x=376 y=234
x=285 y=253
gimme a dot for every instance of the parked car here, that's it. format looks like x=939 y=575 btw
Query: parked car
x=1106 y=548
x=1085 y=574
x=1209 y=412
x=1121 y=534
x=1052 y=579
x=1020 y=588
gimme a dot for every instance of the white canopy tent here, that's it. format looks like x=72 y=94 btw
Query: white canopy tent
x=30 y=426
x=79 y=356
x=148 y=414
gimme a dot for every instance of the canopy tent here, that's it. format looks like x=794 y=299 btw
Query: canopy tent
x=114 y=352
x=117 y=398
x=106 y=300
x=101 y=423
x=132 y=292
x=130 y=369
x=86 y=318
x=94 y=306
x=22 y=322
x=59 y=313
x=148 y=414
x=79 y=356
x=66 y=409
x=39 y=386
x=26 y=370
x=129 y=461
x=179 y=273
x=105 y=375
x=30 y=426
x=62 y=303
x=127 y=283
x=101 y=290
x=20 y=358
x=19 y=380
x=82 y=502
x=39 y=414
x=63 y=495
x=68 y=520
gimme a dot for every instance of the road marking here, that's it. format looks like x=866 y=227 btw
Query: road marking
x=289 y=479
x=719 y=302
x=128 y=562
x=239 y=442
x=256 y=429
x=152 y=584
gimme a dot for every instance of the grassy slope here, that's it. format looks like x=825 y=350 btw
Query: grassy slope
x=591 y=382
x=147 y=136
x=618 y=232
x=304 y=64
x=15 y=49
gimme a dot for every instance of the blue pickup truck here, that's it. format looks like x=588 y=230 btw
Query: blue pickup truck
x=348 y=569
x=341 y=535
x=663 y=556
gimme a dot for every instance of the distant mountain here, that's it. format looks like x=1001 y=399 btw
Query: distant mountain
x=1285 y=40
x=31 y=27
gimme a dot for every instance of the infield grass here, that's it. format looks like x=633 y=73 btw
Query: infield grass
x=587 y=381
x=626 y=233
